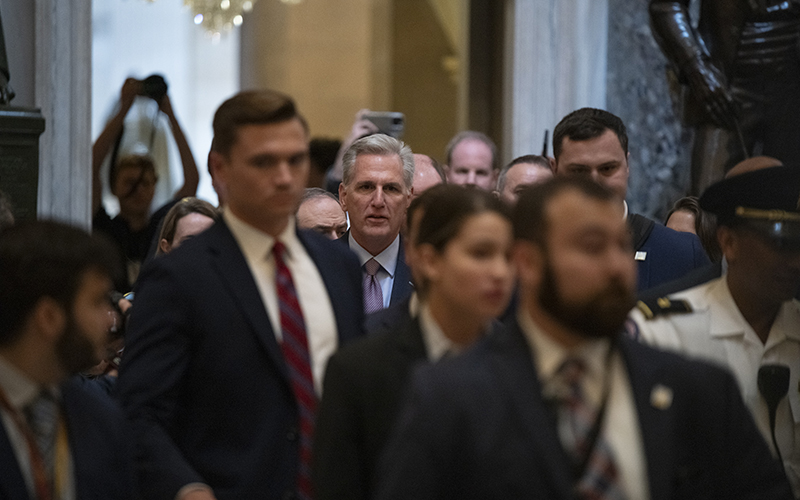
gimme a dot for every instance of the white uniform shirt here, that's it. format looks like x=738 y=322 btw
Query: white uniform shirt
x=716 y=331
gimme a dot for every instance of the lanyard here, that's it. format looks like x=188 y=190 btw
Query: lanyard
x=41 y=484
x=594 y=432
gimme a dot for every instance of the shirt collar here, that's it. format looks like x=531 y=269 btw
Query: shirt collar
x=18 y=388
x=256 y=244
x=548 y=355
x=387 y=259
x=436 y=342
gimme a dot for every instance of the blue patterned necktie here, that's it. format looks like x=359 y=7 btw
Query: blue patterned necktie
x=600 y=478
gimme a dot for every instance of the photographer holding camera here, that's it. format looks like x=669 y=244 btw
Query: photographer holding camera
x=132 y=179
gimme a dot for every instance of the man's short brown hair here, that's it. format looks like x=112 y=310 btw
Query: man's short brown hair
x=251 y=107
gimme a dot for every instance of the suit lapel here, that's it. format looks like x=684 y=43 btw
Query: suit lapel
x=655 y=420
x=515 y=367
x=402 y=286
x=348 y=321
x=12 y=485
x=229 y=262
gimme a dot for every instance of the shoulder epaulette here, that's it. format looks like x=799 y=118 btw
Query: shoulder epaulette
x=663 y=305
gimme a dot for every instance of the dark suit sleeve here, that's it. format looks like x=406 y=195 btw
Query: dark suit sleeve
x=338 y=470
x=157 y=355
x=419 y=457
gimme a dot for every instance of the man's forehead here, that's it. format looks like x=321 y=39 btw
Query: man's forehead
x=524 y=171
x=575 y=211
x=368 y=164
x=265 y=132
x=470 y=148
x=600 y=149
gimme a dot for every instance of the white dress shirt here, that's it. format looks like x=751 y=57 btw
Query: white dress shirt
x=621 y=424
x=388 y=261
x=311 y=292
x=436 y=342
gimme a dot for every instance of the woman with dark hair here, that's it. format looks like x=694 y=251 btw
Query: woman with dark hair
x=189 y=217
x=687 y=216
x=461 y=244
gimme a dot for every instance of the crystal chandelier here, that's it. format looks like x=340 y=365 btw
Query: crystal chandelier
x=219 y=15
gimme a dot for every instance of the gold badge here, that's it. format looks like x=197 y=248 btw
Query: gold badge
x=661 y=397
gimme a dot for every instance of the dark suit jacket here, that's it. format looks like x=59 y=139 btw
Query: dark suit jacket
x=99 y=442
x=203 y=379
x=390 y=318
x=402 y=286
x=477 y=428
x=364 y=385
x=669 y=254
x=364 y=388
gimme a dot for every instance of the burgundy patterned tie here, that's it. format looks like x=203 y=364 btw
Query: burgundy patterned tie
x=298 y=360
x=373 y=296
x=600 y=480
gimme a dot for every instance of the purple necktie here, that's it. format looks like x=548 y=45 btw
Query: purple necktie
x=373 y=297
x=601 y=478
x=298 y=360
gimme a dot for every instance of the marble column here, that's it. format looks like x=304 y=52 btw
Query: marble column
x=556 y=51
x=63 y=53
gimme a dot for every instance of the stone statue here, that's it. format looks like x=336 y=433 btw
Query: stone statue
x=740 y=68
x=6 y=93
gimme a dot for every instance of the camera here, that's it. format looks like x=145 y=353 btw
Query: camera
x=154 y=87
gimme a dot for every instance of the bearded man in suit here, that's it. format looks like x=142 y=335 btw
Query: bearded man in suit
x=562 y=406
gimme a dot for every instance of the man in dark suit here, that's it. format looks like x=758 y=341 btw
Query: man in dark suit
x=740 y=64
x=230 y=333
x=376 y=188
x=562 y=406
x=594 y=143
x=58 y=439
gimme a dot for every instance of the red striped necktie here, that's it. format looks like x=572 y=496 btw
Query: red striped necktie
x=298 y=360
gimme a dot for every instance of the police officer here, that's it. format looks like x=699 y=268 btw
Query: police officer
x=747 y=318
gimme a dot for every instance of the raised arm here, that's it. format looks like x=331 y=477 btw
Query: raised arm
x=105 y=141
x=190 y=175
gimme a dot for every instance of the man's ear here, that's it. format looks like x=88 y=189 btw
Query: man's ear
x=48 y=319
x=529 y=262
x=728 y=243
x=216 y=162
x=343 y=196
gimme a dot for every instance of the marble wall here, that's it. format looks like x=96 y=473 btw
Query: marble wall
x=638 y=91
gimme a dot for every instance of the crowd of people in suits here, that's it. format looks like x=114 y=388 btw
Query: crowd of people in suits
x=428 y=331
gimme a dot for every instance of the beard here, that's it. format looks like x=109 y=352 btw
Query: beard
x=600 y=316
x=75 y=351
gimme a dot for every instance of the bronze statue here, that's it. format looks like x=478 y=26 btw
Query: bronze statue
x=741 y=71
x=6 y=93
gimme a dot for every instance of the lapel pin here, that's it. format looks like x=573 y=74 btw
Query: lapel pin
x=661 y=397
x=640 y=256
